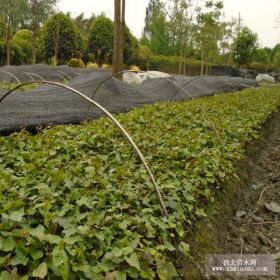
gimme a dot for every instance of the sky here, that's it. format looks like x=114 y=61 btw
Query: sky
x=259 y=15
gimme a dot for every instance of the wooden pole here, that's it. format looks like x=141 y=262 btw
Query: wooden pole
x=117 y=39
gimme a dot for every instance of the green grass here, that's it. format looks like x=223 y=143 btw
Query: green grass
x=8 y=86
x=76 y=203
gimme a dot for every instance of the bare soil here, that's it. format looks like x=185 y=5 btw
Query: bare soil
x=242 y=223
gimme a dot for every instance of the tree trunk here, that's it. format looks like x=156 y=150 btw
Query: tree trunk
x=57 y=35
x=180 y=61
x=202 y=63
x=8 y=43
x=117 y=43
x=184 y=61
x=122 y=39
x=34 y=53
x=119 y=23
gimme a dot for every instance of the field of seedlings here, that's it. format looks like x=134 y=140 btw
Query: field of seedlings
x=76 y=202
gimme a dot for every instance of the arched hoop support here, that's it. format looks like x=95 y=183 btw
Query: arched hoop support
x=55 y=74
x=178 y=89
x=11 y=75
x=116 y=122
x=35 y=75
x=64 y=74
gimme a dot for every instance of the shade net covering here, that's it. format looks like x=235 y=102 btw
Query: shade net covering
x=49 y=104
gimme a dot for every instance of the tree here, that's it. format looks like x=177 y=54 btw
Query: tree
x=84 y=23
x=2 y=29
x=276 y=61
x=156 y=32
x=118 y=39
x=100 y=40
x=181 y=28
x=60 y=38
x=244 y=47
x=142 y=56
x=23 y=39
x=13 y=13
x=262 y=56
x=39 y=12
x=209 y=31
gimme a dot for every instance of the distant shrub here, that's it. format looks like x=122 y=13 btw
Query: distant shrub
x=106 y=66
x=258 y=66
x=134 y=68
x=92 y=65
x=53 y=61
x=76 y=63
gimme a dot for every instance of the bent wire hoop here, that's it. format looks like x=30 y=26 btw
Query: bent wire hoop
x=116 y=122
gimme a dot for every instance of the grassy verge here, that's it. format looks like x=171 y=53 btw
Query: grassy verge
x=76 y=203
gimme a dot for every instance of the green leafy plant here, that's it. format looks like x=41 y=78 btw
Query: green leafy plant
x=77 y=204
x=76 y=63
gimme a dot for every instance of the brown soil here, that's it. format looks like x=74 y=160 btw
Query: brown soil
x=258 y=230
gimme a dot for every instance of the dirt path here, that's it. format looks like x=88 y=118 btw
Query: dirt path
x=246 y=221
x=255 y=225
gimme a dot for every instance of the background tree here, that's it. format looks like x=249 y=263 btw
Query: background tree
x=60 y=38
x=181 y=28
x=23 y=40
x=142 y=54
x=262 y=56
x=209 y=31
x=244 y=47
x=100 y=40
x=156 y=33
x=39 y=12
x=276 y=61
x=13 y=14
x=84 y=23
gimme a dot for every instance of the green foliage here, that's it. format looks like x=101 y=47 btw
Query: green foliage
x=13 y=13
x=262 y=56
x=39 y=12
x=5 y=85
x=23 y=38
x=2 y=30
x=209 y=30
x=276 y=61
x=84 y=23
x=76 y=63
x=76 y=203
x=258 y=66
x=144 y=58
x=61 y=32
x=245 y=47
x=100 y=41
x=156 y=28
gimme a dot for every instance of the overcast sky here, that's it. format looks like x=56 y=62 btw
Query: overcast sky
x=258 y=15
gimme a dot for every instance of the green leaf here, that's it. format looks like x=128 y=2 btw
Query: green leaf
x=7 y=244
x=17 y=215
x=133 y=261
x=5 y=275
x=167 y=271
x=147 y=273
x=60 y=260
x=123 y=224
x=36 y=255
x=121 y=275
x=41 y=271
x=184 y=248
x=19 y=258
